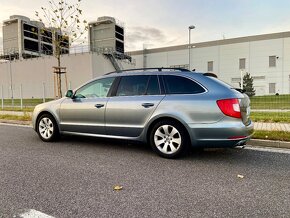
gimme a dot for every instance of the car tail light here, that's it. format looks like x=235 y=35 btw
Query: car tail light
x=230 y=107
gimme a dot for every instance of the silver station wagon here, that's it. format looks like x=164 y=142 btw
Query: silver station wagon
x=169 y=108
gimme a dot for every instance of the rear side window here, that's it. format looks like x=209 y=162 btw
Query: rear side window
x=132 y=85
x=138 y=85
x=181 y=85
x=153 y=86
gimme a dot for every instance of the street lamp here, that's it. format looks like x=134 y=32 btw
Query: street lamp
x=189 y=46
x=11 y=81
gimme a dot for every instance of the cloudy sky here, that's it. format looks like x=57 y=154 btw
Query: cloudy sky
x=159 y=23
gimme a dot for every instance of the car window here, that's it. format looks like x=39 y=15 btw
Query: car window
x=153 y=86
x=221 y=82
x=181 y=85
x=95 y=89
x=132 y=85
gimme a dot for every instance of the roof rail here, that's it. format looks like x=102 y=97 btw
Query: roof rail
x=151 y=68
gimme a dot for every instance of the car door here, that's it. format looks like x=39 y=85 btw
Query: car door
x=134 y=102
x=85 y=112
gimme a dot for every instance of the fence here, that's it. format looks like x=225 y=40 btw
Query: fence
x=271 y=108
x=12 y=54
x=12 y=96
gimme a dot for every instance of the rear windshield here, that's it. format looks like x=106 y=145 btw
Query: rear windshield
x=221 y=82
x=226 y=84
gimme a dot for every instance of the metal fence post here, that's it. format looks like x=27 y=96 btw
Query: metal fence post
x=21 y=99
x=2 y=97
x=43 y=92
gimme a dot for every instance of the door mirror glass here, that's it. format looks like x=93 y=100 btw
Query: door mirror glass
x=69 y=94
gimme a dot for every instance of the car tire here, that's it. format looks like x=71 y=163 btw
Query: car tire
x=169 y=139
x=47 y=128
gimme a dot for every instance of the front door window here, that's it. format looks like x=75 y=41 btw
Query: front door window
x=95 y=89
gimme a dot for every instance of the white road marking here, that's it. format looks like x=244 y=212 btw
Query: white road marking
x=34 y=214
x=275 y=150
x=16 y=125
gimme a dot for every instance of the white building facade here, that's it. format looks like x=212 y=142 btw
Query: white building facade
x=265 y=57
x=34 y=78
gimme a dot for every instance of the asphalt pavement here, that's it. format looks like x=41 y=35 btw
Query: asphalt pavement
x=76 y=176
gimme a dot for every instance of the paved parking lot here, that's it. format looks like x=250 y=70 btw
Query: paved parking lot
x=75 y=178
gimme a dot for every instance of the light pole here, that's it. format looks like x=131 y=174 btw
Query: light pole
x=11 y=81
x=189 y=46
x=242 y=80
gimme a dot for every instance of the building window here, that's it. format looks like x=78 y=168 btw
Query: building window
x=272 y=61
x=210 y=66
x=272 y=88
x=242 y=63
x=236 y=80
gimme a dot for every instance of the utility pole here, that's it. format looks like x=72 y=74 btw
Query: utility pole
x=11 y=80
x=189 y=46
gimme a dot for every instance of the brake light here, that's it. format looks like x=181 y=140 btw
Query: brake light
x=230 y=107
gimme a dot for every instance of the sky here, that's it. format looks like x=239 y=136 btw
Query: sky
x=162 y=23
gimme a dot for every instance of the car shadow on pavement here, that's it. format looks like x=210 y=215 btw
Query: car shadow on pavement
x=106 y=143
x=142 y=148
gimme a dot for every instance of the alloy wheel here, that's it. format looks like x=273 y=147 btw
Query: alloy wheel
x=46 y=128
x=167 y=139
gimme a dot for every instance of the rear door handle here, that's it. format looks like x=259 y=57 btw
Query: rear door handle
x=147 y=105
x=99 y=105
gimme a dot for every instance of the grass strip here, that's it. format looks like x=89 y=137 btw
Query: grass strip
x=25 y=117
x=272 y=135
x=270 y=102
x=271 y=117
x=26 y=109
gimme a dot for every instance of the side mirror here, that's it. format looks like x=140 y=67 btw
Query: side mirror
x=69 y=94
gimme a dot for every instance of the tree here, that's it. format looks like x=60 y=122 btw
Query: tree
x=64 y=21
x=248 y=85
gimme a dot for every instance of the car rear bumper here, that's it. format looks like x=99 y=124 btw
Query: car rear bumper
x=221 y=134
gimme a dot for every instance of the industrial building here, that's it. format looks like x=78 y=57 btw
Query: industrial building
x=28 y=69
x=266 y=57
x=24 y=38
x=106 y=32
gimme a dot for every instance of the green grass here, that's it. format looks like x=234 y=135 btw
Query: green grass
x=25 y=109
x=271 y=117
x=271 y=102
x=272 y=135
x=26 y=102
x=279 y=102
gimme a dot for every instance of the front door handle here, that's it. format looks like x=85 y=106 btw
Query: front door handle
x=99 y=105
x=147 y=105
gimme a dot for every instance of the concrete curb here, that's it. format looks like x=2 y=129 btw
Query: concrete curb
x=252 y=142
x=269 y=143
x=17 y=122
